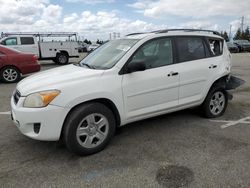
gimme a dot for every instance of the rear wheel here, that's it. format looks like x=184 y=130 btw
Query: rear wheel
x=89 y=128
x=215 y=103
x=10 y=75
x=62 y=59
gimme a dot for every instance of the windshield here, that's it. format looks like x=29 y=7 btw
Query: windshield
x=107 y=55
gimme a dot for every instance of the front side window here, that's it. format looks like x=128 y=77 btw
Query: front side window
x=10 y=41
x=190 y=48
x=108 y=54
x=27 y=40
x=155 y=53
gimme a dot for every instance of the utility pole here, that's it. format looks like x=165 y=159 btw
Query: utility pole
x=242 y=24
x=230 y=32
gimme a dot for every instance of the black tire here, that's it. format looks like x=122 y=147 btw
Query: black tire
x=16 y=75
x=62 y=59
x=207 y=107
x=76 y=119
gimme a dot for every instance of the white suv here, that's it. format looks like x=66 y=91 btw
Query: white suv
x=139 y=76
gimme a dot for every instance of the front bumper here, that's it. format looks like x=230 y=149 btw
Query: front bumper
x=38 y=123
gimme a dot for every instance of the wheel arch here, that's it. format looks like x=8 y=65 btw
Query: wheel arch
x=63 y=52
x=107 y=102
x=219 y=83
x=11 y=66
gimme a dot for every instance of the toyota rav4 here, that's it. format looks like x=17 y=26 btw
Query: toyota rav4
x=139 y=76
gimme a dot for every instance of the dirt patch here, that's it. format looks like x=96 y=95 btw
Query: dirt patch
x=174 y=176
x=243 y=89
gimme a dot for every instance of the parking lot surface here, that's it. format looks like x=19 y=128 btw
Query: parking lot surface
x=180 y=149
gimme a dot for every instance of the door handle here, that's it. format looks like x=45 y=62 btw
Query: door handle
x=173 y=73
x=213 y=66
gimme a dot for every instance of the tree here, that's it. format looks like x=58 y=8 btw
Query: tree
x=225 y=36
x=99 y=41
x=87 y=41
x=238 y=35
x=247 y=33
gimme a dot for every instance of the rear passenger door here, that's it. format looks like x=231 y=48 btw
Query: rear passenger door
x=29 y=45
x=193 y=68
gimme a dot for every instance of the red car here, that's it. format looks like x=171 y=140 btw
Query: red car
x=14 y=64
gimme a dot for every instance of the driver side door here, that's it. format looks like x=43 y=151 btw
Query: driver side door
x=155 y=90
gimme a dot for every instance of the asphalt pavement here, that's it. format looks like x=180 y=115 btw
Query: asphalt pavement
x=180 y=149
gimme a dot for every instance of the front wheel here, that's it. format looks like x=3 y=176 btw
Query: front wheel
x=215 y=103
x=89 y=128
x=10 y=75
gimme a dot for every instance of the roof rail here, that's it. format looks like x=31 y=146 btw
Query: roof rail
x=187 y=30
x=131 y=34
x=42 y=34
x=169 y=30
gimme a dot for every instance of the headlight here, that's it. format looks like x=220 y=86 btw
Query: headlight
x=40 y=99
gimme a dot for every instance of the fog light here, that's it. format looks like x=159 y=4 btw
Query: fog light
x=37 y=127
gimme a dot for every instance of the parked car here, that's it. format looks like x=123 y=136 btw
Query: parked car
x=58 y=51
x=92 y=47
x=233 y=48
x=82 y=49
x=14 y=64
x=243 y=45
x=123 y=81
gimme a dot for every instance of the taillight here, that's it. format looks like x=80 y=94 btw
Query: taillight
x=34 y=58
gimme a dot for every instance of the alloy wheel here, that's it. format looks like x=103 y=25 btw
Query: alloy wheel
x=217 y=103
x=92 y=130
x=10 y=74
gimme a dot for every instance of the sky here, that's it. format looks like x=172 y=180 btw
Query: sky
x=96 y=19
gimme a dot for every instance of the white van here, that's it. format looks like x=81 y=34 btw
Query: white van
x=58 y=51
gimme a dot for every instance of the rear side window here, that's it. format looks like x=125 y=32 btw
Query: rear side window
x=27 y=40
x=190 y=48
x=10 y=41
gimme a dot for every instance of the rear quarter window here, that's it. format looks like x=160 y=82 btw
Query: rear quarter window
x=216 y=46
x=27 y=40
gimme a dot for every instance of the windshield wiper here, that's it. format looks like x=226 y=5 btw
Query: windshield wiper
x=87 y=65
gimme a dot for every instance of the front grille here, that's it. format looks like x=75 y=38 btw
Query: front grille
x=16 y=96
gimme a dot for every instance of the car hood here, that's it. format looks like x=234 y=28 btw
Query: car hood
x=56 y=78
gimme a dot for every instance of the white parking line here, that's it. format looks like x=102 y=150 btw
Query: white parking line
x=5 y=113
x=245 y=120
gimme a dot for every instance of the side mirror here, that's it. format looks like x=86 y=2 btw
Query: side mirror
x=135 y=67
